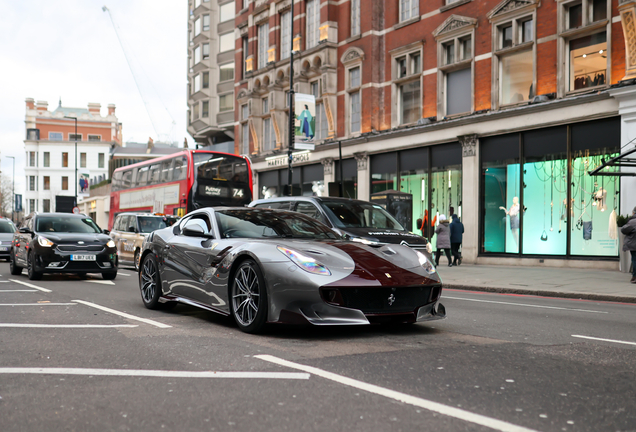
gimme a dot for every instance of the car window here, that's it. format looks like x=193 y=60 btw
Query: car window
x=283 y=205
x=65 y=224
x=148 y=224
x=117 y=224
x=257 y=223
x=308 y=209
x=7 y=227
x=356 y=214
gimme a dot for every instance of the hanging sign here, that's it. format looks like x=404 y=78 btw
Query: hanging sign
x=304 y=120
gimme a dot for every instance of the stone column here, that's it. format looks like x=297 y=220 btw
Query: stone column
x=627 y=9
x=470 y=197
x=364 y=180
x=328 y=173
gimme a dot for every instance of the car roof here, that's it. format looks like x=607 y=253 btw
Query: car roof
x=307 y=198
x=62 y=214
x=139 y=214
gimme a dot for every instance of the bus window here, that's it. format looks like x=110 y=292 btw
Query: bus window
x=117 y=181
x=155 y=174
x=179 y=172
x=166 y=170
x=126 y=180
x=142 y=176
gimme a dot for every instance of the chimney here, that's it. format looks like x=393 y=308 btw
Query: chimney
x=42 y=106
x=30 y=103
x=151 y=144
x=111 y=109
x=94 y=108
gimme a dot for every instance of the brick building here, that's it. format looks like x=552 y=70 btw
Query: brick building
x=491 y=110
x=52 y=160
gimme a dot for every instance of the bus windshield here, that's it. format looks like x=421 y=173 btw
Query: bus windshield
x=221 y=180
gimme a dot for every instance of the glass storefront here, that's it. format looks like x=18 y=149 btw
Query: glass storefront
x=350 y=176
x=307 y=180
x=525 y=211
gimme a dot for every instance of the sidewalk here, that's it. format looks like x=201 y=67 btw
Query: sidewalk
x=541 y=281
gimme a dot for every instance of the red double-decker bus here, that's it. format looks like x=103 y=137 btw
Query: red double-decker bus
x=181 y=182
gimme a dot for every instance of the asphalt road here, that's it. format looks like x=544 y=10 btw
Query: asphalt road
x=498 y=362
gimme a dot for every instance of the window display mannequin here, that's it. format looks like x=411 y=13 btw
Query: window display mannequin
x=513 y=213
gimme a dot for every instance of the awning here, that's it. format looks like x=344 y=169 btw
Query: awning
x=620 y=161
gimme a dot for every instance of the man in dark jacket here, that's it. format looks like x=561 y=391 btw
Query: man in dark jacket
x=456 y=231
x=629 y=229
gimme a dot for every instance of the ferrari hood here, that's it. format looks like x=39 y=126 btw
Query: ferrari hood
x=386 y=235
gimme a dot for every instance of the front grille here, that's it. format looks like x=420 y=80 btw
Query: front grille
x=387 y=300
x=80 y=248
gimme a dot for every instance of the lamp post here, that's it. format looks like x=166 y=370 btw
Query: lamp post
x=292 y=115
x=13 y=191
x=75 y=118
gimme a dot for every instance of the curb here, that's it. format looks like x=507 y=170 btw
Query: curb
x=539 y=293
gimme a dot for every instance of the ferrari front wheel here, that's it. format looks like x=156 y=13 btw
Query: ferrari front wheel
x=150 y=282
x=248 y=298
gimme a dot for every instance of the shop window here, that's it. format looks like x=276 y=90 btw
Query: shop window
x=383 y=172
x=588 y=61
x=501 y=205
x=349 y=177
x=516 y=77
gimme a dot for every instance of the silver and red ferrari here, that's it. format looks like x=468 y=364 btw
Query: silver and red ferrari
x=271 y=266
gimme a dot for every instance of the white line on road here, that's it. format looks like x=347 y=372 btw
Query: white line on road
x=122 y=274
x=525 y=305
x=4 y=281
x=12 y=325
x=402 y=397
x=124 y=314
x=103 y=282
x=604 y=340
x=2 y=291
x=31 y=285
x=38 y=304
x=155 y=373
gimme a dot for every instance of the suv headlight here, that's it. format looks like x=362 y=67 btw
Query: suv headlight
x=424 y=262
x=306 y=263
x=110 y=244
x=43 y=241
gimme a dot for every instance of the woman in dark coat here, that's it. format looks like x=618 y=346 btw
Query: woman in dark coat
x=443 y=240
x=629 y=229
x=456 y=231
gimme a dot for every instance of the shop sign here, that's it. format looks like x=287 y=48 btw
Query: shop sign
x=282 y=160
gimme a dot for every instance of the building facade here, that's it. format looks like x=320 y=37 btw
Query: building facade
x=52 y=159
x=211 y=71
x=492 y=110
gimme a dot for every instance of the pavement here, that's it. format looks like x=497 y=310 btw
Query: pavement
x=589 y=284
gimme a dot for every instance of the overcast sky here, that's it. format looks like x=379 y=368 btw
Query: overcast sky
x=69 y=49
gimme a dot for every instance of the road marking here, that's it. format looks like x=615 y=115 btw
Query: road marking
x=4 y=281
x=18 y=290
x=604 y=340
x=103 y=282
x=38 y=304
x=11 y=325
x=123 y=274
x=402 y=397
x=31 y=285
x=124 y=314
x=525 y=305
x=155 y=373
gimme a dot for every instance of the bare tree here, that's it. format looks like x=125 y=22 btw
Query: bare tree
x=6 y=196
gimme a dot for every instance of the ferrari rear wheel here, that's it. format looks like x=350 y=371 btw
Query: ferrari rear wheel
x=149 y=282
x=249 y=298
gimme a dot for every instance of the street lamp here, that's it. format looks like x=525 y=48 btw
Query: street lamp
x=75 y=118
x=13 y=191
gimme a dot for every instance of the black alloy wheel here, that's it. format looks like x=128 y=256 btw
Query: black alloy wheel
x=33 y=275
x=150 y=283
x=13 y=267
x=248 y=298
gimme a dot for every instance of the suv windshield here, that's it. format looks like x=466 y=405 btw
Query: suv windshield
x=256 y=223
x=66 y=224
x=6 y=227
x=148 y=224
x=356 y=214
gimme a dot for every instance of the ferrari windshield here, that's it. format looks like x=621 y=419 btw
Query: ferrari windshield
x=66 y=224
x=357 y=214
x=261 y=223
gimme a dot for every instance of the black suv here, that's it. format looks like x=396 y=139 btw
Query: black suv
x=356 y=220
x=62 y=243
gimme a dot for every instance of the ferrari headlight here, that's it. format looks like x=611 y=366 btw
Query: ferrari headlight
x=424 y=262
x=306 y=263
x=45 y=242
x=364 y=241
x=110 y=244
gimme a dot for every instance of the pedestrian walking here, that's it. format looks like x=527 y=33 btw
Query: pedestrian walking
x=629 y=229
x=456 y=231
x=443 y=240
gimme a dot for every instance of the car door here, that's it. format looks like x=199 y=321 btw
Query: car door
x=127 y=238
x=115 y=233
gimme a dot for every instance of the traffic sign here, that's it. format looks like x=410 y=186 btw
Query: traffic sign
x=76 y=210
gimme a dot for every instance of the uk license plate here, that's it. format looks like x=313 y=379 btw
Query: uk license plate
x=3 y=248
x=83 y=258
